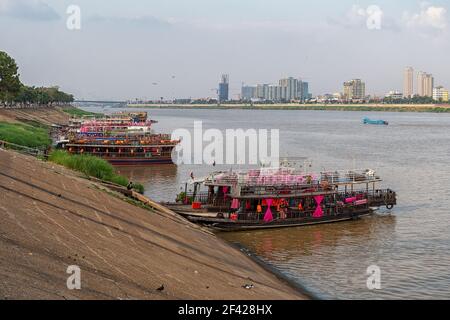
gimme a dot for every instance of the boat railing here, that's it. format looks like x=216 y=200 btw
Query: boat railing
x=291 y=214
x=375 y=197
x=120 y=136
x=118 y=143
x=292 y=180
x=290 y=188
x=206 y=198
x=125 y=154
x=382 y=197
x=349 y=176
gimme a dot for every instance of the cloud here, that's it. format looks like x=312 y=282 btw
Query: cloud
x=430 y=18
x=238 y=26
x=364 y=18
x=36 y=10
x=138 y=21
x=356 y=17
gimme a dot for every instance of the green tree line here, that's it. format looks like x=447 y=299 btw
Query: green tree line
x=13 y=90
x=413 y=100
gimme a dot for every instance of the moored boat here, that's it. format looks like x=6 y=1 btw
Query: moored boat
x=281 y=197
x=121 y=139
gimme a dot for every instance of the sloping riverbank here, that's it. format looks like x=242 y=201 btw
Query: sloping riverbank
x=44 y=115
x=53 y=218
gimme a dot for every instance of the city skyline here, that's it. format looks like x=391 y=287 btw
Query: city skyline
x=287 y=89
x=157 y=48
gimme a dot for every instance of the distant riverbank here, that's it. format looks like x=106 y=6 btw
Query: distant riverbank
x=435 y=108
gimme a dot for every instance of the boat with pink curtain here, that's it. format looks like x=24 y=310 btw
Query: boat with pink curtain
x=281 y=197
x=122 y=139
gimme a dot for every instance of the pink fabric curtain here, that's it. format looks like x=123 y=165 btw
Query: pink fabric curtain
x=361 y=202
x=225 y=190
x=350 y=200
x=319 y=212
x=268 y=216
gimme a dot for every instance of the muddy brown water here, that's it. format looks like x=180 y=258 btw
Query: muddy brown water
x=410 y=244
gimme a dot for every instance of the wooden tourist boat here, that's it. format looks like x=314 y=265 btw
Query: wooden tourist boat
x=283 y=197
x=121 y=139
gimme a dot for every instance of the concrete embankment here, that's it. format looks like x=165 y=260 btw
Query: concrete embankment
x=44 y=115
x=52 y=218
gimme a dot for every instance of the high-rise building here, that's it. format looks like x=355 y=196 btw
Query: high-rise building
x=224 y=88
x=425 y=84
x=348 y=90
x=262 y=91
x=354 y=90
x=440 y=94
x=248 y=92
x=429 y=85
x=289 y=89
x=305 y=91
x=420 y=83
x=274 y=93
x=408 y=82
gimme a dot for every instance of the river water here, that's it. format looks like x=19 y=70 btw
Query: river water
x=410 y=244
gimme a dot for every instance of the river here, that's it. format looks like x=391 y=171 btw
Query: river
x=410 y=244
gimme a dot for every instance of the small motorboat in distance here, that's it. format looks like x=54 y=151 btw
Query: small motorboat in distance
x=376 y=122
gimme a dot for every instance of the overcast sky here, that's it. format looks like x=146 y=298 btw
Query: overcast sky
x=179 y=48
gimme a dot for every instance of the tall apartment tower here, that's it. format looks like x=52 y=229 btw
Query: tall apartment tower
x=425 y=84
x=420 y=83
x=354 y=89
x=408 y=82
x=224 y=88
x=305 y=91
x=289 y=89
x=429 y=85
x=248 y=92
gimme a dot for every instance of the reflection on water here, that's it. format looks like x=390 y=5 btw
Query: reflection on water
x=412 y=154
x=312 y=250
x=149 y=174
x=152 y=177
x=282 y=245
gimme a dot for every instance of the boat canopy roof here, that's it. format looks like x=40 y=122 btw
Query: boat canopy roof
x=288 y=176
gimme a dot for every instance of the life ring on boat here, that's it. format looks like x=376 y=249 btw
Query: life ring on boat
x=389 y=206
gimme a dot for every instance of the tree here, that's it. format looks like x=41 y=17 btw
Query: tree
x=12 y=90
x=9 y=78
x=42 y=95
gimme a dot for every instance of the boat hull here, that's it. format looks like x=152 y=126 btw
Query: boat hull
x=138 y=161
x=221 y=224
